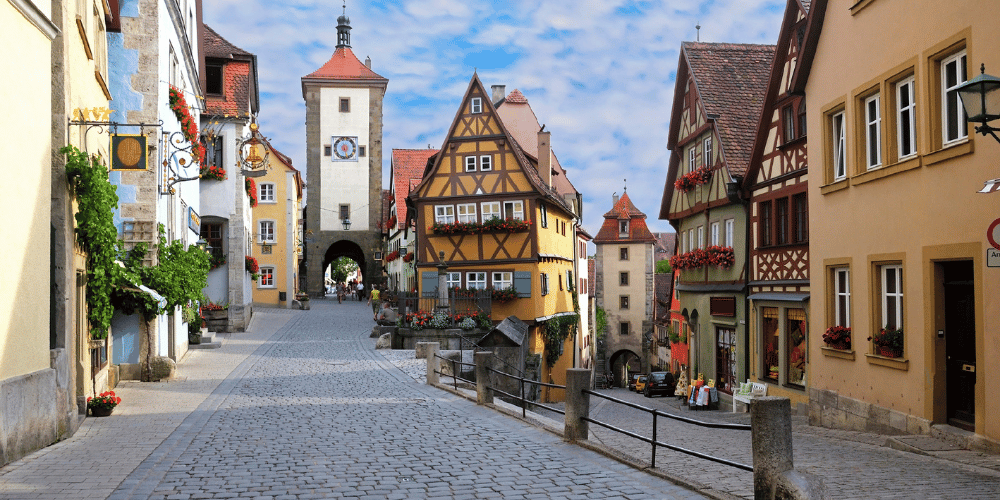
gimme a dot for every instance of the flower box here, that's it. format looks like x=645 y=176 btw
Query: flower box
x=494 y=225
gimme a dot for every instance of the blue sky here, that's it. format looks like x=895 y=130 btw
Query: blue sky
x=599 y=74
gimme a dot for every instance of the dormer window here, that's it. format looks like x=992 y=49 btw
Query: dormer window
x=477 y=105
x=623 y=228
x=213 y=78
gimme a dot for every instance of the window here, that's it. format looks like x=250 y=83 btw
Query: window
x=470 y=163
x=453 y=280
x=701 y=236
x=444 y=214
x=842 y=296
x=503 y=280
x=569 y=280
x=730 y=224
x=692 y=158
x=802 y=118
x=788 y=123
x=684 y=242
x=477 y=105
x=475 y=281
x=623 y=228
x=362 y=151
x=691 y=242
x=485 y=163
x=467 y=212
x=623 y=302
x=707 y=151
x=770 y=337
x=892 y=296
x=623 y=253
x=345 y=104
x=267 y=231
x=266 y=279
x=212 y=233
x=781 y=224
x=953 y=74
x=327 y=150
x=714 y=233
x=800 y=221
x=623 y=328
x=906 y=139
x=213 y=78
x=559 y=279
x=623 y=278
x=545 y=283
x=839 y=147
x=544 y=215
x=491 y=210
x=873 y=132
x=513 y=210
x=765 y=223
x=267 y=192
x=795 y=349
x=345 y=212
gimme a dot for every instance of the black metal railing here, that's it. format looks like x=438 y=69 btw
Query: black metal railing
x=521 y=399
x=454 y=370
x=652 y=441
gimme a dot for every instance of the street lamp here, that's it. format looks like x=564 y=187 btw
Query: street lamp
x=981 y=100
x=201 y=243
x=347 y=224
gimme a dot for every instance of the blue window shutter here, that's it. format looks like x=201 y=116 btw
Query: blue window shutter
x=428 y=284
x=522 y=283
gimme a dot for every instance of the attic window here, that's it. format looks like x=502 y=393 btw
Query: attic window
x=345 y=104
x=477 y=105
x=213 y=78
x=623 y=228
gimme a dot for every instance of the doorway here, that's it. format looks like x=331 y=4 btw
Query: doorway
x=960 y=343
x=725 y=359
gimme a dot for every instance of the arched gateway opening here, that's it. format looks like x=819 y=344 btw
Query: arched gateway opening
x=621 y=364
x=351 y=250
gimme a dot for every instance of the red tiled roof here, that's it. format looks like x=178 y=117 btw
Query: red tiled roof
x=407 y=170
x=664 y=245
x=345 y=65
x=516 y=97
x=731 y=80
x=386 y=203
x=287 y=162
x=638 y=232
x=216 y=46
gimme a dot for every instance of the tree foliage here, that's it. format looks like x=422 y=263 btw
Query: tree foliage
x=341 y=268
x=663 y=267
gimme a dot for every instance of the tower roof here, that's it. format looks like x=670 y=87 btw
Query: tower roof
x=638 y=232
x=344 y=65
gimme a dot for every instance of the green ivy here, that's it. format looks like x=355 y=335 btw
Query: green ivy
x=96 y=234
x=600 y=323
x=556 y=332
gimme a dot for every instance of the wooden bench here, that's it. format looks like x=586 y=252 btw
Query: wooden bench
x=747 y=392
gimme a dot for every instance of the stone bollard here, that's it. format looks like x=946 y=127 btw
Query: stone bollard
x=774 y=475
x=577 y=404
x=433 y=363
x=484 y=393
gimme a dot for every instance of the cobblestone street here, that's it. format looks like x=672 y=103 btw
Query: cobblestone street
x=301 y=406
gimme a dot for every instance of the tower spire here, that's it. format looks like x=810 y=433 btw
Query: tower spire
x=344 y=29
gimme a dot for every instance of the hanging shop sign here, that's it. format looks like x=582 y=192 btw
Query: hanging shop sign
x=128 y=152
x=194 y=221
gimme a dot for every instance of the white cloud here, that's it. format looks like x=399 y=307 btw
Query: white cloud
x=601 y=81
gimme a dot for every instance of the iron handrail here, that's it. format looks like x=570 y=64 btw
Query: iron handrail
x=653 y=441
x=521 y=398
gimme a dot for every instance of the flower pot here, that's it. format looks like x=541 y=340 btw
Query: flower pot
x=100 y=411
x=889 y=352
x=194 y=338
x=839 y=345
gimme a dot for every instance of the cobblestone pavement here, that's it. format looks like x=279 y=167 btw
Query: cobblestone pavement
x=303 y=407
x=853 y=465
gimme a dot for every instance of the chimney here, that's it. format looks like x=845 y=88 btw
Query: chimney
x=545 y=158
x=499 y=92
x=614 y=199
x=368 y=62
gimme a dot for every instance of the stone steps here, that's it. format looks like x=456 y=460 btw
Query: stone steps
x=207 y=342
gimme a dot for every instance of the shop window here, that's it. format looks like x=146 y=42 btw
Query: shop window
x=795 y=360
x=770 y=336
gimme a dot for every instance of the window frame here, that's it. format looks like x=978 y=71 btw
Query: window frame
x=730 y=229
x=782 y=221
x=466 y=217
x=516 y=210
x=496 y=210
x=884 y=294
x=475 y=280
x=788 y=124
x=453 y=279
x=470 y=163
x=544 y=279
x=909 y=112
x=210 y=79
x=543 y=215
x=962 y=126
x=623 y=228
x=872 y=131
x=714 y=233
x=838 y=142
x=623 y=302
x=344 y=105
x=623 y=278
x=267 y=199
x=624 y=327
x=441 y=214
x=622 y=253
x=476 y=105
x=800 y=218
x=701 y=236
x=692 y=158
x=262 y=234
x=485 y=163
x=765 y=221
x=841 y=295
x=506 y=277
x=265 y=273
x=706 y=149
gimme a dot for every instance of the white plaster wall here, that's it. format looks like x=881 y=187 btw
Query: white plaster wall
x=344 y=181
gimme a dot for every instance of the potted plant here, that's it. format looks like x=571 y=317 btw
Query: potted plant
x=104 y=404
x=888 y=342
x=838 y=337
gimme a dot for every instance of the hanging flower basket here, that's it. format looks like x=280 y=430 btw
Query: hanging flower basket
x=393 y=255
x=408 y=257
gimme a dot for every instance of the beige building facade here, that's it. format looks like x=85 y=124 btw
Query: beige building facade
x=903 y=243
x=276 y=232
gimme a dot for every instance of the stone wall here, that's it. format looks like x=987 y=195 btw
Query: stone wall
x=29 y=414
x=829 y=409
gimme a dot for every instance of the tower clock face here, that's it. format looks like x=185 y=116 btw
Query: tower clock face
x=345 y=148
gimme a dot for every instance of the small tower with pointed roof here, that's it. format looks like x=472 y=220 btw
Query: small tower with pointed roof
x=625 y=267
x=344 y=164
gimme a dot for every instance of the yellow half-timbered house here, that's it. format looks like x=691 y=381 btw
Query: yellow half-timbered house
x=493 y=213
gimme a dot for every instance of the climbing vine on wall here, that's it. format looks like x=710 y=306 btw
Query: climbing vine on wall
x=556 y=332
x=96 y=233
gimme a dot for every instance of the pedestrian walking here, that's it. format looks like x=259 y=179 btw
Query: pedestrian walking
x=361 y=291
x=373 y=300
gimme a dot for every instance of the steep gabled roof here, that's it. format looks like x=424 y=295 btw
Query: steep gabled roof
x=286 y=162
x=344 y=65
x=407 y=170
x=218 y=47
x=638 y=232
x=731 y=80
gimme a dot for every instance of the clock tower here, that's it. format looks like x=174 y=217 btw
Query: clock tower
x=343 y=164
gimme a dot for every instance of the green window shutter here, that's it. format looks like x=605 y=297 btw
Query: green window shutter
x=522 y=283
x=428 y=284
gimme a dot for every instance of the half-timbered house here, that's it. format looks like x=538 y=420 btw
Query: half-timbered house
x=717 y=100
x=494 y=215
x=779 y=223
